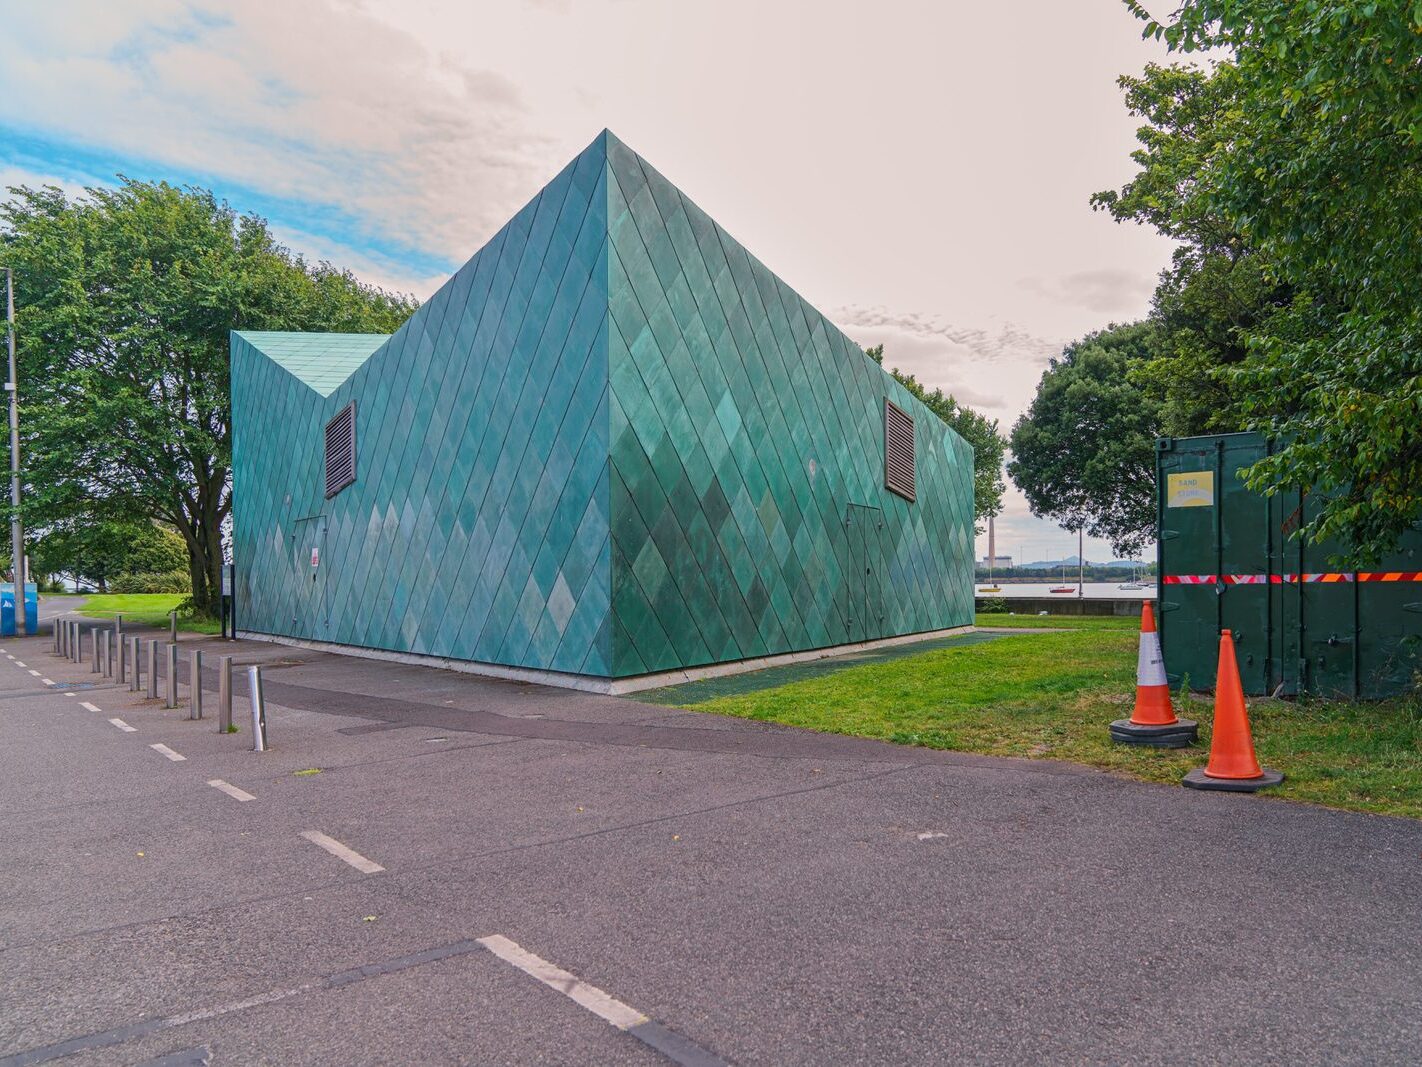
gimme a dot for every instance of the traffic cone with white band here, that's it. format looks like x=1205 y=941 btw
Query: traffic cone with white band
x=1154 y=721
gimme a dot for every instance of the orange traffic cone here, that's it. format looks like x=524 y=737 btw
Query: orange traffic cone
x=1153 y=722
x=1233 y=765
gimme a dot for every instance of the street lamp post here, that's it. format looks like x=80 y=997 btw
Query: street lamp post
x=17 y=530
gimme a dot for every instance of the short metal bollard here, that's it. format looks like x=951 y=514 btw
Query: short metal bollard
x=121 y=660
x=95 y=641
x=224 y=694
x=60 y=625
x=194 y=684
x=54 y=636
x=171 y=688
x=108 y=653
x=152 y=665
x=173 y=626
x=78 y=643
x=133 y=646
x=259 y=709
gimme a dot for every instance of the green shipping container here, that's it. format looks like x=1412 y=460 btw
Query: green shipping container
x=1228 y=560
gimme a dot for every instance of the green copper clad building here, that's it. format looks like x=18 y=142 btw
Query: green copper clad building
x=612 y=445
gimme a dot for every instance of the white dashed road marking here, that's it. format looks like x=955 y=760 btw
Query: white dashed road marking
x=164 y=750
x=341 y=852
x=19 y=664
x=125 y=727
x=47 y=681
x=85 y=704
x=231 y=790
x=603 y=1005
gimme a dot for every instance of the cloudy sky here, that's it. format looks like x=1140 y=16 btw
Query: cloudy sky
x=918 y=170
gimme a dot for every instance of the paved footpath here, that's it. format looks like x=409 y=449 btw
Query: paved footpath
x=487 y=872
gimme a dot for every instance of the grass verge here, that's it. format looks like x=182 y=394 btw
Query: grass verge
x=1051 y=696
x=148 y=608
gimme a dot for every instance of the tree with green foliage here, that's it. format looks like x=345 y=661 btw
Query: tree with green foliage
x=126 y=297
x=977 y=429
x=1084 y=453
x=94 y=552
x=1218 y=288
x=1316 y=165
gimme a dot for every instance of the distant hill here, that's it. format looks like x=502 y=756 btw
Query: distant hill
x=1071 y=561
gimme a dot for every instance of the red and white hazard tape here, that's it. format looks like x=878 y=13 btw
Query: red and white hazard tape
x=1291 y=579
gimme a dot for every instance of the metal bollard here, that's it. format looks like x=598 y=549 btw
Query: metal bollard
x=54 y=636
x=133 y=644
x=224 y=694
x=173 y=626
x=95 y=640
x=152 y=665
x=108 y=656
x=121 y=662
x=194 y=684
x=118 y=625
x=259 y=709
x=60 y=625
x=78 y=643
x=171 y=688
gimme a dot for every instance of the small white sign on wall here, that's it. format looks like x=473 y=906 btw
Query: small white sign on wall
x=315 y=557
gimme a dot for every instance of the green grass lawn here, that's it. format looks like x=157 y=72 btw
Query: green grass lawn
x=149 y=608
x=1051 y=696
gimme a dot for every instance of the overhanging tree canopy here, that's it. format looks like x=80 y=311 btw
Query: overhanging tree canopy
x=126 y=297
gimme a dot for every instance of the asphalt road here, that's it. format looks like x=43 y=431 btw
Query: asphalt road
x=565 y=878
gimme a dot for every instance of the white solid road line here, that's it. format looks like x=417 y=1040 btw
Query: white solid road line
x=86 y=704
x=603 y=1005
x=125 y=727
x=231 y=790
x=341 y=852
x=163 y=749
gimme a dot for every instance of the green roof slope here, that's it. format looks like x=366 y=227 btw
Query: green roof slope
x=321 y=360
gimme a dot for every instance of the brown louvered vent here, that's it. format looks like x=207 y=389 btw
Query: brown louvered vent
x=340 y=450
x=898 y=450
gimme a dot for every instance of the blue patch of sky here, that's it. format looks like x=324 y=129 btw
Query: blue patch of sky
x=84 y=165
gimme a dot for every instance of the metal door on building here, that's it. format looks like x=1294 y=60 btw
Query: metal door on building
x=863 y=527
x=308 y=544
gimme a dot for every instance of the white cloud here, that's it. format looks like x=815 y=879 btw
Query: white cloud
x=1107 y=290
x=297 y=100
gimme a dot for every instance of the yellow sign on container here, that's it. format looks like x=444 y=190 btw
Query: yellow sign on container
x=1193 y=489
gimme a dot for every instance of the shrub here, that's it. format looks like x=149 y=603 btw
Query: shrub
x=152 y=582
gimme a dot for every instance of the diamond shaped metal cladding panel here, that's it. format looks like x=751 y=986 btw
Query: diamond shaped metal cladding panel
x=613 y=443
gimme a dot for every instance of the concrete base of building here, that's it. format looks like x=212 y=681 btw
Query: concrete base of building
x=1178 y=734
x=608 y=686
x=1198 y=779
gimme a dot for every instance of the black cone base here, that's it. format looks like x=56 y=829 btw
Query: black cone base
x=1178 y=734
x=1198 y=779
